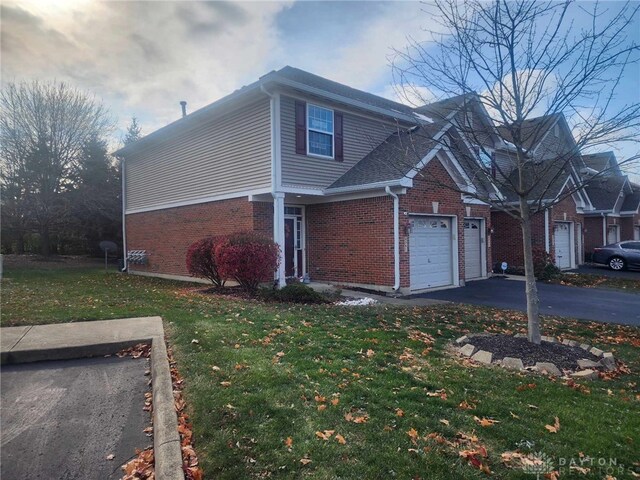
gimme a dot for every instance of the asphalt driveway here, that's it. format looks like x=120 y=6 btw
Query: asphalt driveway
x=584 y=303
x=62 y=419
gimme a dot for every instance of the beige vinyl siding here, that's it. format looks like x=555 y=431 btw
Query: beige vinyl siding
x=360 y=136
x=231 y=153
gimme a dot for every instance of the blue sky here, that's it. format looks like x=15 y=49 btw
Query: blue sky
x=142 y=58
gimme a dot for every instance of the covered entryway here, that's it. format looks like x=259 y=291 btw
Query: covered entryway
x=562 y=242
x=430 y=247
x=293 y=241
x=472 y=249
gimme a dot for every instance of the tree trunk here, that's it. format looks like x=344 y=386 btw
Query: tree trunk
x=533 y=303
x=20 y=243
x=45 y=241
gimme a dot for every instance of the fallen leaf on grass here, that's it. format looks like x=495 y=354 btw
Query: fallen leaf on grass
x=111 y=456
x=335 y=401
x=225 y=384
x=444 y=422
x=413 y=435
x=581 y=470
x=555 y=427
x=340 y=439
x=485 y=422
x=288 y=442
x=464 y=405
x=195 y=341
x=305 y=461
x=320 y=399
x=322 y=407
x=438 y=393
x=326 y=435
x=514 y=415
x=399 y=412
x=370 y=353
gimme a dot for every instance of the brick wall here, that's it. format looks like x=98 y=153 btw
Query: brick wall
x=627 y=226
x=593 y=234
x=351 y=241
x=507 y=238
x=434 y=184
x=166 y=234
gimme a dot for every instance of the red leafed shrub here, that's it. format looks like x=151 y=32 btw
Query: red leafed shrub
x=201 y=262
x=248 y=258
x=543 y=266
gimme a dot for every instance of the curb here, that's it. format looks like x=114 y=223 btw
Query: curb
x=166 y=439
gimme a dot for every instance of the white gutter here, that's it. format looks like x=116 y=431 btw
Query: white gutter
x=125 y=264
x=547 y=242
x=396 y=238
x=604 y=228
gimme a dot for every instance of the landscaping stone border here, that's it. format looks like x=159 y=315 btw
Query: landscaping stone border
x=587 y=369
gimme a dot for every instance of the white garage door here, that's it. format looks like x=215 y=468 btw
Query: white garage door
x=430 y=252
x=562 y=241
x=472 y=250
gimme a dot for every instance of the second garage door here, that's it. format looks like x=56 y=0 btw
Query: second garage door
x=430 y=252
x=562 y=241
x=472 y=250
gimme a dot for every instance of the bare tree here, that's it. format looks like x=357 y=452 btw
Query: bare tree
x=524 y=65
x=44 y=128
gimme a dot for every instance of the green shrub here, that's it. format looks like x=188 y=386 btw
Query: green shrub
x=294 y=293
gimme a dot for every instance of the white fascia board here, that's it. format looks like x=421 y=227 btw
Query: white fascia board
x=341 y=99
x=629 y=212
x=609 y=212
x=401 y=182
x=196 y=201
x=472 y=201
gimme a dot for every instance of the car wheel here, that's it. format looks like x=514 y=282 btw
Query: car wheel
x=616 y=263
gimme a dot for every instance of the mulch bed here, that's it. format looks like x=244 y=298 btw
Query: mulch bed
x=563 y=356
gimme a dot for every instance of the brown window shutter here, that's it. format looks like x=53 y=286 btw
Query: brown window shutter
x=301 y=128
x=337 y=131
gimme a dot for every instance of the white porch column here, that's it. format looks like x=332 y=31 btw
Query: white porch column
x=278 y=233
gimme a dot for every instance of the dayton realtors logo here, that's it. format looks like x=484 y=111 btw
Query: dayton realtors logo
x=537 y=463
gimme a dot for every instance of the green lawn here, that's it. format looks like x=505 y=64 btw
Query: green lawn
x=590 y=280
x=259 y=374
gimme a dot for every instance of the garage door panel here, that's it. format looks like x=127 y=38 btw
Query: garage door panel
x=430 y=252
x=562 y=242
x=472 y=249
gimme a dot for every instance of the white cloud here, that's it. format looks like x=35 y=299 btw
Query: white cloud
x=141 y=57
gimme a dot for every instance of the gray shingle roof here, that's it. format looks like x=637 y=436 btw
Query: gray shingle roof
x=547 y=180
x=309 y=79
x=532 y=130
x=602 y=161
x=393 y=159
x=631 y=202
x=604 y=191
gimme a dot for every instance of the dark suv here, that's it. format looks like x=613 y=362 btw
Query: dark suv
x=618 y=255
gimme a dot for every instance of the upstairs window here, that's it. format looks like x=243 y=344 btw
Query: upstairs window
x=320 y=131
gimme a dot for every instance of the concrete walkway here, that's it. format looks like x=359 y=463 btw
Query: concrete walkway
x=407 y=302
x=65 y=341
x=62 y=341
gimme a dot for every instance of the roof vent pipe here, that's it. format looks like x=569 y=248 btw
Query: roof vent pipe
x=183 y=104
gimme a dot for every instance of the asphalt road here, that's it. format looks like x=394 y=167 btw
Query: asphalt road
x=584 y=303
x=61 y=419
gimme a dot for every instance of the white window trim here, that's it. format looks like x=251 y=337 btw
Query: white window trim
x=333 y=133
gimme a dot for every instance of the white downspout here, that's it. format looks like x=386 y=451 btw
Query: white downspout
x=396 y=238
x=125 y=263
x=547 y=240
x=604 y=229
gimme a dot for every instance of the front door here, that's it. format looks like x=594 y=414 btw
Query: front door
x=289 y=247
x=562 y=241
